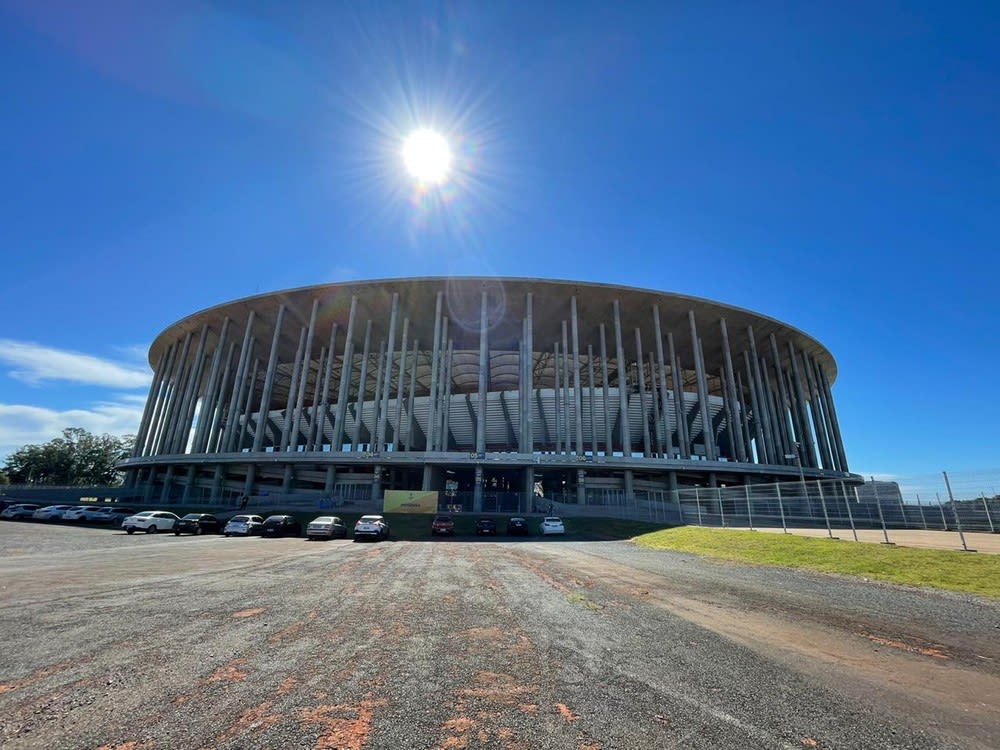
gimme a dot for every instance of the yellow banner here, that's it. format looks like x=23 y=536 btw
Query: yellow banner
x=410 y=501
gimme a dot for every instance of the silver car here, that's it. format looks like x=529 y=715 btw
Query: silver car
x=326 y=527
x=243 y=525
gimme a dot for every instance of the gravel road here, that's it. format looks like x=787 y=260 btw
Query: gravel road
x=152 y=641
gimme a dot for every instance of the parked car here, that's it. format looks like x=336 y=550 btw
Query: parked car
x=117 y=515
x=551 y=525
x=517 y=526
x=198 y=523
x=281 y=526
x=244 y=525
x=77 y=513
x=442 y=525
x=102 y=514
x=486 y=527
x=50 y=512
x=18 y=512
x=150 y=521
x=326 y=527
x=371 y=527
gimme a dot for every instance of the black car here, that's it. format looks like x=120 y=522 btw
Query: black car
x=518 y=527
x=486 y=526
x=198 y=523
x=282 y=526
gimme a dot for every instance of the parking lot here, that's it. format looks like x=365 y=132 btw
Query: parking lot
x=156 y=641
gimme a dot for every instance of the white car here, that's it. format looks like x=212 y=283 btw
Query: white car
x=552 y=525
x=371 y=527
x=150 y=521
x=50 y=512
x=100 y=514
x=244 y=526
x=77 y=513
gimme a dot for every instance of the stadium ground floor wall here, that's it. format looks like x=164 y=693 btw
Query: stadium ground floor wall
x=502 y=483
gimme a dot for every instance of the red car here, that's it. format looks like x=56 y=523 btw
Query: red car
x=442 y=525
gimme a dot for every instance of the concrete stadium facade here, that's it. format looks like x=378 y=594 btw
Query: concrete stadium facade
x=492 y=390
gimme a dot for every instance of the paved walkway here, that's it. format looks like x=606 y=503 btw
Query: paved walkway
x=979 y=541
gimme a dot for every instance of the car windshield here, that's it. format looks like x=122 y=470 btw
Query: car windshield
x=370 y=519
x=553 y=520
x=191 y=517
x=239 y=519
x=323 y=519
x=146 y=513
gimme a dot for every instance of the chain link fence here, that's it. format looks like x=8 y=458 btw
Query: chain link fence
x=965 y=501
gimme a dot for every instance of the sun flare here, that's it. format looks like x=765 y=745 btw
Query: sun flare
x=427 y=156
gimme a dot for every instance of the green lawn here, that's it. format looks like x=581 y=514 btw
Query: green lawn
x=945 y=569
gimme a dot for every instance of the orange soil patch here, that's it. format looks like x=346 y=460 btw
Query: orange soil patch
x=255 y=718
x=249 y=612
x=529 y=708
x=286 y=686
x=589 y=746
x=566 y=712
x=461 y=724
x=933 y=650
x=127 y=746
x=180 y=700
x=230 y=672
x=38 y=674
x=343 y=727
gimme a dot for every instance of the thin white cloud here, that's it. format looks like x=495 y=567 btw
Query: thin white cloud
x=34 y=363
x=21 y=424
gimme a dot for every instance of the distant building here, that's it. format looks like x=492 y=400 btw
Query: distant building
x=501 y=385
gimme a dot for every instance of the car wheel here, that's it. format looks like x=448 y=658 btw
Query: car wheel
x=152 y=528
x=226 y=534
x=129 y=530
x=197 y=530
x=177 y=533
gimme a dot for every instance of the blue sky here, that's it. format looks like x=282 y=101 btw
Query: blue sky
x=831 y=165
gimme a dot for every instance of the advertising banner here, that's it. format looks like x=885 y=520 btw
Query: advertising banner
x=410 y=501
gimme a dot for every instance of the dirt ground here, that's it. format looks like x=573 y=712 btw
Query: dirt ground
x=987 y=544
x=150 y=642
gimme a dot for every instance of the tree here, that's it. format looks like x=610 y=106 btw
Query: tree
x=76 y=458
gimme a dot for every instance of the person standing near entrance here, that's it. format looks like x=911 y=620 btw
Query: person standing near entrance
x=244 y=502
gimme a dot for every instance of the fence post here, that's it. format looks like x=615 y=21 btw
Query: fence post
x=850 y=514
x=722 y=511
x=746 y=489
x=680 y=507
x=902 y=510
x=923 y=518
x=958 y=521
x=781 y=508
x=986 y=507
x=697 y=502
x=878 y=506
x=826 y=516
x=944 y=521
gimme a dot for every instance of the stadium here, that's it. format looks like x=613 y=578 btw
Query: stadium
x=493 y=392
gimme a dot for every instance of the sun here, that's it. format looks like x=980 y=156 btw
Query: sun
x=427 y=156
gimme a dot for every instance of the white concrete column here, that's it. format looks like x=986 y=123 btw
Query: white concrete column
x=346 y=372
x=622 y=384
x=269 y=375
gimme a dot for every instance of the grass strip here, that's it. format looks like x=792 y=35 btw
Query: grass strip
x=943 y=569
